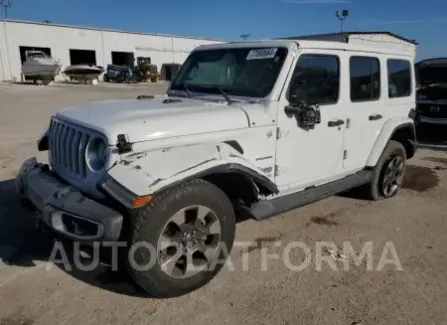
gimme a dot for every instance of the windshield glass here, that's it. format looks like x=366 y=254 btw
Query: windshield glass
x=250 y=72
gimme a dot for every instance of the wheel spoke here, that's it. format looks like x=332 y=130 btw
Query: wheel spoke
x=387 y=185
x=202 y=212
x=214 y=227
x=400 y=169
x=169 y=263
x=207 y=251
x=191 y=267
x=391 y=164
x=167 y=242
x=179 y=218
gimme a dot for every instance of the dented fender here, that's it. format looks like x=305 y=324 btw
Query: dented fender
x=152 y=171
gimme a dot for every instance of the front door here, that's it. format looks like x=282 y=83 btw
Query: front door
x=306 y=156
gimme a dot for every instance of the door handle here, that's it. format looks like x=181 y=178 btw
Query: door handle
x=375 y=117
x=335 y=123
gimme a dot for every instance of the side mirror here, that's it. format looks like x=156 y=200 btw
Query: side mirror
x=306 y=115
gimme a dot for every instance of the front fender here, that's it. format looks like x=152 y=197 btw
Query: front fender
x=386 y=133
x=153 y=171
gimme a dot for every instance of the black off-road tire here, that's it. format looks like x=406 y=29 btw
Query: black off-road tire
x=373 y=191
x=148 y=223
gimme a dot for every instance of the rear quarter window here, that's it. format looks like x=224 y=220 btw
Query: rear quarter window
x=399 y=78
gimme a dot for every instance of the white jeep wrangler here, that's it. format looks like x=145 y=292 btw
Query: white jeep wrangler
x=254 y=127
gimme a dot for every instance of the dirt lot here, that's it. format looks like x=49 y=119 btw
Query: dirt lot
x=33 y=292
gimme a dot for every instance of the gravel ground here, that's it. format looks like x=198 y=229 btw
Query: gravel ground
x=33 y=291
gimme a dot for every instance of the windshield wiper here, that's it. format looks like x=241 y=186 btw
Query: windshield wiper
x=224 y=94
x=187 y=90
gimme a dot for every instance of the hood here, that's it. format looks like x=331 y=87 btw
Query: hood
x=155 y=118
x=432 y=71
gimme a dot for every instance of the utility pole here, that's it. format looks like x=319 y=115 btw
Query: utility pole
x=341 y=15
x=245 y=36
x=6 y=4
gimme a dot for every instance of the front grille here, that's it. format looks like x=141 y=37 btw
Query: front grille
x=430 y=110
x=67 y=144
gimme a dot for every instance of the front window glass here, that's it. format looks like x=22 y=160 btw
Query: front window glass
x=250 y=72
x=316 y=80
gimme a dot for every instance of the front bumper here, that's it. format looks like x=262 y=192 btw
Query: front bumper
x=65 y=209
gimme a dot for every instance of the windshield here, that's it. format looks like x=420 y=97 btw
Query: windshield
x=250 y=72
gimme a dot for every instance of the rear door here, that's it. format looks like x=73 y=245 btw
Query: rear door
x=365 y=109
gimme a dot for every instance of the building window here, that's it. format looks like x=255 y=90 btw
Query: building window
x=365 y=78
x=316 y=80
x=399 y=78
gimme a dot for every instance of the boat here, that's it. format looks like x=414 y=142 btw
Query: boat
x=83 y=72
x=40 y=66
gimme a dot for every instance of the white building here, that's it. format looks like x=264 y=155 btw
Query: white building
x=77 y=45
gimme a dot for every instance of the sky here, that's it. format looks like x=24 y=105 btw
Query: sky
x=422 y=20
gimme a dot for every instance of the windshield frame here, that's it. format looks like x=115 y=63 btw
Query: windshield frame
x=178 y=86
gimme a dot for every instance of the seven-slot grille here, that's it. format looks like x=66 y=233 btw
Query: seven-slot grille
x=67 y=144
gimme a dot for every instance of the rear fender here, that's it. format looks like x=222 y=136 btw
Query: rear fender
x=153 y=171
x=386 y=133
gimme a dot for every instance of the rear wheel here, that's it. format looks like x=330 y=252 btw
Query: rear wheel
x=388 y=174
x=180 y=241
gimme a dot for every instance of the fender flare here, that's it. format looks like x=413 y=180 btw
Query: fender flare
x=389 y=129
x=227 y=169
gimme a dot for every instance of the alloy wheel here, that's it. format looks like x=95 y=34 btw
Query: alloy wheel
x=393 y=176
x=189 y=241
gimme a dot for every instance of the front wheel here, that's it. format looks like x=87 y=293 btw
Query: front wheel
x=180 y=241
x=388 y=174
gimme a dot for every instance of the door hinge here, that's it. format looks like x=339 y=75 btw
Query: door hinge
x=276 y=170
x=278 y=133
x=348 y=123
x=345 y=154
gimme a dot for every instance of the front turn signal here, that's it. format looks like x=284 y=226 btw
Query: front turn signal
x=139 y=201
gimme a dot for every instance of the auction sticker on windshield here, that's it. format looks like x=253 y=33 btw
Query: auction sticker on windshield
x=262 y=54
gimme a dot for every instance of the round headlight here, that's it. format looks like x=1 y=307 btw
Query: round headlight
x=96 y=154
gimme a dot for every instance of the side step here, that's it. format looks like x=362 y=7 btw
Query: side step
x=270 y=208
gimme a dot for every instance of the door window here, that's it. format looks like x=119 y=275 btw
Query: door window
x=399 y=78
x=316 y=80
x=365 y=78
